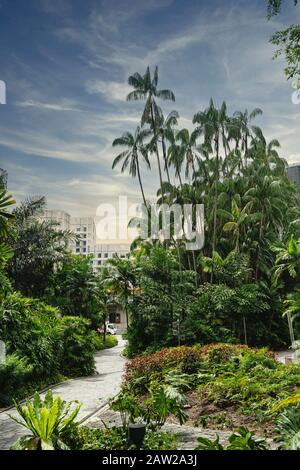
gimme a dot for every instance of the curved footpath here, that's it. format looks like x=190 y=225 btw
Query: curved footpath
x=93 y=391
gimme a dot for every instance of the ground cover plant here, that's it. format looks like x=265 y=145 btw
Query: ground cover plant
x=225 y=386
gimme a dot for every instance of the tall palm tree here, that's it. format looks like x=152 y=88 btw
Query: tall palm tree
x=175 y=155
x=188 y=147
x=165 y=129
x=121 y=279
x=212 y=124
x=243 y=121
x=134 y=150
x=145 y=88
x=236 y=218
x=287 y=259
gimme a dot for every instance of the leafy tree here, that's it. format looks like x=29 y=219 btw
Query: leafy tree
x=287 y=41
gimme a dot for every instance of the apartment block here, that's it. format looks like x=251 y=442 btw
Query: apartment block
x=86 y=241
x=85 y=230
x=293 y=172
x=102 y=253
x=62 y=218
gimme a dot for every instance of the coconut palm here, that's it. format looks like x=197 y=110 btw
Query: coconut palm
x=188 y=148
x=243 y=121
x=236 y=218
x=121 y=279
x=135 y=149
x=145 y=88
x=287 y=259
x=165 y=129
x=175 y=155
x=212 y=125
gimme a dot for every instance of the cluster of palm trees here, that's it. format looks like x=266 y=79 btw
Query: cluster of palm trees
x=224 y=162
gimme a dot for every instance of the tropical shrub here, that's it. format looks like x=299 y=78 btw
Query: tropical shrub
x=78 y=347
x=143 y=367
x=241 y=439
x=115 y=438
x=31 y=329
x=288 y=429
x=163 y=401
x=15 y=375
x=110 y=341
x=48 y=421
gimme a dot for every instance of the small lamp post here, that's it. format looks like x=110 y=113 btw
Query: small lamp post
x=136 y=434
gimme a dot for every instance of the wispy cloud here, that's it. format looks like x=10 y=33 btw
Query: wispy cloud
x=64 y=106
x=111 y=91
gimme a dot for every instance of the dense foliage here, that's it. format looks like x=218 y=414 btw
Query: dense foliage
x=233 y=288
x=227 y=387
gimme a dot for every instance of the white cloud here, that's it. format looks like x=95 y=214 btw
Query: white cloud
x=63 y=106
x=111 y=91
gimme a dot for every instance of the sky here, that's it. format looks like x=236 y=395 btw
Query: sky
x=66 y=64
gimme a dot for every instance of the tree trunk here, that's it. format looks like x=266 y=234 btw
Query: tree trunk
x=163 y=144
x=157 y=154
x=215 y=204
x=140 y=182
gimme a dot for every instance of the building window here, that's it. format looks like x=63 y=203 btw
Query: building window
x=99 y=255
x=84 y=250
x=105 y=255
x=77 y=250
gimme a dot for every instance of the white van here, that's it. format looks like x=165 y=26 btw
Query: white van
x=111 y=329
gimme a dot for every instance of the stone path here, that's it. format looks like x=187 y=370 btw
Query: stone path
x=92 y=391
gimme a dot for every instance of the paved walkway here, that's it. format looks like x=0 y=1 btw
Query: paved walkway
x=92 y=391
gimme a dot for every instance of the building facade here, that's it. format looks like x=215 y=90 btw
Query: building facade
x=102 y=253
x=86 y=242
x=85 y=230
x=293 y=172
x=62 y=218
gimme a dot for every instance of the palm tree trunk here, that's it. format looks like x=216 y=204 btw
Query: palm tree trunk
x=179 y=177
x=140 y=181
x=163 y=144
x=215 y=204
x=157 y=153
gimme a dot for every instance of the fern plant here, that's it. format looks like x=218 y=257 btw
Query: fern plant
x=48 y=421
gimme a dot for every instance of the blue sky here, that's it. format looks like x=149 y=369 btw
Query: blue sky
x=66 y=64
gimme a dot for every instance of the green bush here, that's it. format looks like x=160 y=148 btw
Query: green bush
x=110 y=341
x=115 y=438
x=18 y=380
x=31 y=329
x=15 y=375
x=78 y=347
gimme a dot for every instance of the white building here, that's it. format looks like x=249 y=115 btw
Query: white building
x=60 y=217
x=86 y=242
x=85 y=230
x=102 y=253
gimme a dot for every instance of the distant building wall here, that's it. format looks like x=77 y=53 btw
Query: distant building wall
x=293 y=172
x=62 y=218
x=85 y=244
